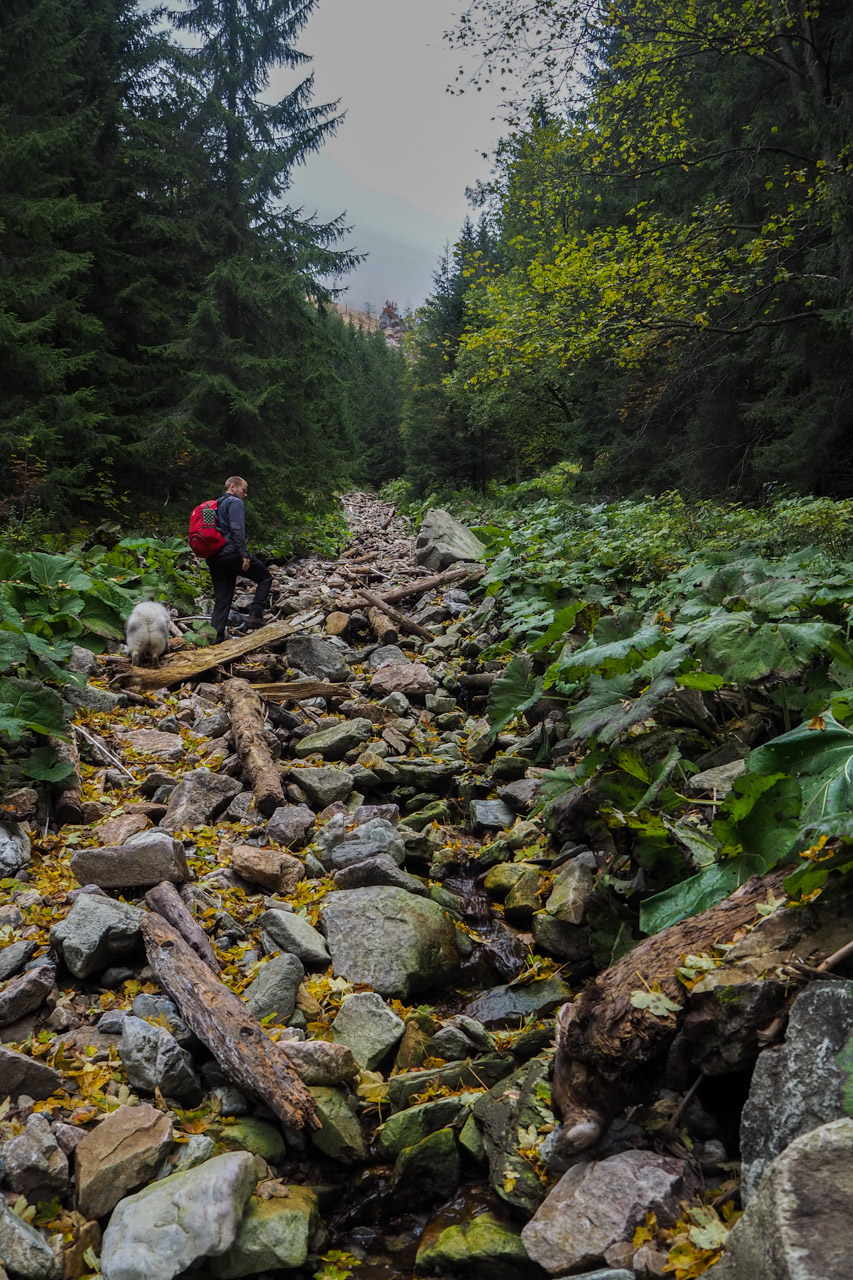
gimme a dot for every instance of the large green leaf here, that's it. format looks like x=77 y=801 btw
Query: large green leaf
x=611 y=705
x=57 y=571
x=820 y=755
x=44 y=765
x=593 y=657
x=515 y=689
x=708 y=887
x=29 y=707
x=14 y=648
x=735 y=647
x=761 y=818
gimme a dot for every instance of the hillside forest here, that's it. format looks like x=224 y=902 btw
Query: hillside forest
x=654 y=286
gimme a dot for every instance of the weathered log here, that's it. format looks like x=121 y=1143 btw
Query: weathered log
x=196 y=661
x=166 y=901
x=247 y=726
x=390 y=516
x=403 y=622
x=299 y=690
x=479 y=679
x=224 y=1024
x=68 y=805
x=382 y=626
x=444 y=579
x=602 y=1038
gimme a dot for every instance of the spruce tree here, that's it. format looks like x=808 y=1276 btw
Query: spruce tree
x=257 y=356
x=52 y=431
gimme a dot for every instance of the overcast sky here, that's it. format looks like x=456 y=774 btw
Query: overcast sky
x=406 y=150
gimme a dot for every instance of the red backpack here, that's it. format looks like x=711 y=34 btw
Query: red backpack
x=204 y=536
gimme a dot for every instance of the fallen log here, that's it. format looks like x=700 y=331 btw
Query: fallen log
x=390 y=516
x=479 y=679
x=299 y=690
x=166 y=901
x=429 y=584
x=224 y=1024
x=382 y=626
x=403 y=622
x=193 y=663
x=603 y=1038
x=68 y=805
x=247 y=727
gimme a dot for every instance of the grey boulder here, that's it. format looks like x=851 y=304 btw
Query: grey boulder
x=801 y=1085
x=798 y=1224
x=442 y=541
x=389 y=939
x=97 y=932
x=15 y=848
x=153 y=1059
x=23 y=1250
x=317 y=658
x=273 y=991
x=596 y=1207
x=172 y=1224
x=199 y=798
x=146 y=858
x=286 y=931
x=367 y=1026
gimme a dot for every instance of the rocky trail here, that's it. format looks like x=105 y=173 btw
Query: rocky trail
x=284 y=964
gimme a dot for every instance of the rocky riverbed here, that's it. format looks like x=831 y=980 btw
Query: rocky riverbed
x=340 y=1060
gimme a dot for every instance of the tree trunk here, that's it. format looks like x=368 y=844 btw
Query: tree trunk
x=429 y=584
x=247 y=726
x=224 y=1024
x=166 y=901
x=404 y=623
x=68 y=807
x=602 y=1038
x=382 y=626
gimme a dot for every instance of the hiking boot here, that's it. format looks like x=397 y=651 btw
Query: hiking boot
x=253 y=620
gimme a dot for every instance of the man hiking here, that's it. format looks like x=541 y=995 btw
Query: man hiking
x=234 y=559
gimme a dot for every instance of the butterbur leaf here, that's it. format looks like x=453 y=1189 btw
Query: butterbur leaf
x=705 y=889
x=820 y=755
x=44 y=765
x=564 y=620
x=26 y=706
x=516 y=689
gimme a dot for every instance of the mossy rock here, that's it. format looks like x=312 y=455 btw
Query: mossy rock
x=257 y=1136
x=482 y=1249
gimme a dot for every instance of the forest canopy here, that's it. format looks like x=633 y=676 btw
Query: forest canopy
x=164 y=314
x=665 y=292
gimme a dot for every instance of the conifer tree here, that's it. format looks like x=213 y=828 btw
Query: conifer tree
x=258 y=358
x=52 y=432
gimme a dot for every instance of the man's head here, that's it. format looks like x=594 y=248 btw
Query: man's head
x=236 y=485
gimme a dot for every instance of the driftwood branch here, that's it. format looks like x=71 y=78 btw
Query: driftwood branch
x=403 y=622
x=299 y=690
x=247 y=728
x=382 y=626
x=166 y=901
x=187 y=665
x=223 y=1023
x=602 y=1038
x=429 y=584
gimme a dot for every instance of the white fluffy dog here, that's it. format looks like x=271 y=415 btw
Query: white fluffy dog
x=147 y=633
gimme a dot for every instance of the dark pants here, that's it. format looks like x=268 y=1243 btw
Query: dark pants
x=224 y=571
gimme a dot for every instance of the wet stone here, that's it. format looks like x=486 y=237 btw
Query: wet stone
x=491 y=815
x=367 y=1026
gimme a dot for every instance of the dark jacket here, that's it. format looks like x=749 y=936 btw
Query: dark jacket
x=231 y=518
